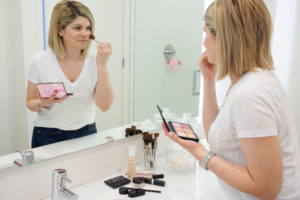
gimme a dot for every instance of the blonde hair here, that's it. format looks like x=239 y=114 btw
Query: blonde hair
x=243 y=35
x=64 y=13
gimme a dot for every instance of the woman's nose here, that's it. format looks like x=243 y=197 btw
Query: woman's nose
x=85 y=33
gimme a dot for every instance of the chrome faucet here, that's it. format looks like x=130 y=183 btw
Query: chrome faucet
x=59 y=191
x=27 y=158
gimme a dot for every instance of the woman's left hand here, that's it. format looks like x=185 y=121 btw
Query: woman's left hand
x=104 y=51
x=195 y=148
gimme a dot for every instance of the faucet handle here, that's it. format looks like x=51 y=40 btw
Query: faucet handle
x=60 y=175
x=27 y=157
x=68 y=179
x=59 y=191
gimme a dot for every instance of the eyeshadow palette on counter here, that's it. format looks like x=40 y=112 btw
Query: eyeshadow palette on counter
x=117 y=181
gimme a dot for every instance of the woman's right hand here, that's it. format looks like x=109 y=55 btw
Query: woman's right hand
x=48 y=102
x=104 y=52
x=207 y=69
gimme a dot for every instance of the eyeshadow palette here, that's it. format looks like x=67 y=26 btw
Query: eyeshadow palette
x=47 y=89
x=117 y=181
x=184 y=131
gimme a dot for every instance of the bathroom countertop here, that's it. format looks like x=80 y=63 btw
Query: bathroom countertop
x=197 y=184
x=64 y=147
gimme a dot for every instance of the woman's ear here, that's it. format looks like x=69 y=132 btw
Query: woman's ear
x=60 y=31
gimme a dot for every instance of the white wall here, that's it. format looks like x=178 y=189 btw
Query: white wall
x=5 y=82
x=158 y=23
x=18 y=71
x=13 y=108
x=285 y=50
x=294 y=58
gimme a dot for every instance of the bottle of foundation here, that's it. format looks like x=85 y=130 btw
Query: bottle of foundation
x=131 y=161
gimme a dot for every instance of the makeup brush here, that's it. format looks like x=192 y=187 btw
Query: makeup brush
x=147 y=141
x=94 y=38
x=156 y=135
x=129 y=132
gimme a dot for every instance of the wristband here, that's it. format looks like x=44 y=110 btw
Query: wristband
x=42 y=108
x=205 y=159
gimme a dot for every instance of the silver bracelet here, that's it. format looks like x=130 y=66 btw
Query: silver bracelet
x=205 y=159
x=42 y=108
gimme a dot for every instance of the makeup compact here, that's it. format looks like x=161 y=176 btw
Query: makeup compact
x=138 y=182
x=183 y=130
x=46 y=90
x=135 y=192
x=117 y=181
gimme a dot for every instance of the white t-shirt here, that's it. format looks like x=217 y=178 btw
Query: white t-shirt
x=76 y=111
x=257 y=106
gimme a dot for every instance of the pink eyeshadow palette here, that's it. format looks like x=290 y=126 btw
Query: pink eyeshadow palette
x=47 y=89
x=184 y=131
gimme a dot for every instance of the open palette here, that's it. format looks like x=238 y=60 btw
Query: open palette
x=184 y=131
x=48 y=89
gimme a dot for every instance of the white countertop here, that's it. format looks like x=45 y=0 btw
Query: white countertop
x=197 y=184
x=65 y=147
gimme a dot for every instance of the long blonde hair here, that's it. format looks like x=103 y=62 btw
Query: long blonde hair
x=64 y=13
x=243 y=34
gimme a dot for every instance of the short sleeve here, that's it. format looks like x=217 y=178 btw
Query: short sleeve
x=33 y=70
x=254 y=114
x=93 y=71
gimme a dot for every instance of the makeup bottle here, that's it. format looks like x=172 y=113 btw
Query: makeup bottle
x=131 y=161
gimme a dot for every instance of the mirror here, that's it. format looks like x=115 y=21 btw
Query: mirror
x=142 y=77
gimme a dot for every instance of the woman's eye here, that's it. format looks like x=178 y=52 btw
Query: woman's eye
x=77 y=28
x=89 y=28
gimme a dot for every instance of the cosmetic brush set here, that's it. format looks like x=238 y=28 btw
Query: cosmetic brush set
x=150 y=145
x=132 y=131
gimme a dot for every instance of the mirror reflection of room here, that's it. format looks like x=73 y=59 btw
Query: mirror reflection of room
x=31 y=36
x=82 y=74
x=126 y=65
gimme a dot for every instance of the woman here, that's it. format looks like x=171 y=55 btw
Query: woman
x=85 y=75
x=253 y=142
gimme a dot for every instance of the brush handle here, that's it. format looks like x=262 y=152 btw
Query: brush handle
x=96 y=41
x=156 y=191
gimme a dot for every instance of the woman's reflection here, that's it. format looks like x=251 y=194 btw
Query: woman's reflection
x=84 y=74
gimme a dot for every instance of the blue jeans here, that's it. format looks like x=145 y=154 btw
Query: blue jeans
x=42 y=136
